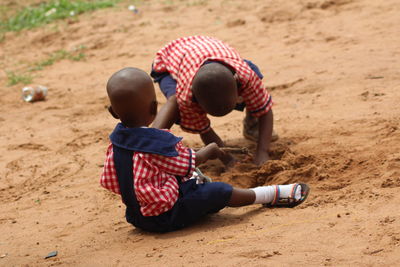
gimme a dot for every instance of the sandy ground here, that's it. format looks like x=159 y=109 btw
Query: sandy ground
x=333 y=68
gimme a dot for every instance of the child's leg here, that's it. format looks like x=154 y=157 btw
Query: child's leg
x=198 y=200
x=273 y=194
x=242 y=197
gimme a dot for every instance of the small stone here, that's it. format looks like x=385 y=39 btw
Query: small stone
x=51 y=254
x=338 y=215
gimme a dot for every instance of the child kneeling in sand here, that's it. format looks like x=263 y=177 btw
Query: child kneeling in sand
x=151 y=169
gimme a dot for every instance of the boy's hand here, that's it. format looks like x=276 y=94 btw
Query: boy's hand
x=228 y=160
x=210 y=137
x=261 y=157
x=212 y=151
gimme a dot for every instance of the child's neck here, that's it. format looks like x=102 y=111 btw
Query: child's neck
x=134 y=125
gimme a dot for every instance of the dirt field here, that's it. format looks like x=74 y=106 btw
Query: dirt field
x=333 y=68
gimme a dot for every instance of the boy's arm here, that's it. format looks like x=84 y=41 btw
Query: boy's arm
x=168 y=114
x=264 y=137
x=212 y=137
x=210 y=151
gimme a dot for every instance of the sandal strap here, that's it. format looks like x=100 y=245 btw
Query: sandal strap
x=293 y=192
x=277 y=195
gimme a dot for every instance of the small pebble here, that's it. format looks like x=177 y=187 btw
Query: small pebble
x=51 y=254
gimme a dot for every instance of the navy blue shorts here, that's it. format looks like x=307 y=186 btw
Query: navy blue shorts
x=195 y=201
x=168 y=84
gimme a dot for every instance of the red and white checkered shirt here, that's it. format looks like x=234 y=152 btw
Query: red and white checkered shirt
x=156 y=186
x=183 y=57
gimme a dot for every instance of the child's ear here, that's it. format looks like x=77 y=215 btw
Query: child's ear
x=113 y=113
x=153 y=108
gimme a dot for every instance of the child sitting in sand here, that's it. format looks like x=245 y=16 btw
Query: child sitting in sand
x=151 y=169
x=201 y=75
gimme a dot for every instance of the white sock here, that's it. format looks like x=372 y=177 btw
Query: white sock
x=265 y=194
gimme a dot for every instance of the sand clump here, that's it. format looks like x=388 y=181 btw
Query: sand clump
x=285 y=167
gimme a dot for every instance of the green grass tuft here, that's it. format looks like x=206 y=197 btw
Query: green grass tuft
x=75 y=55
x=14 y=78
x=196 y=3
x=31 y=17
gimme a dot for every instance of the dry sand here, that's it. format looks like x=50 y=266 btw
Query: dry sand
x=333 y=68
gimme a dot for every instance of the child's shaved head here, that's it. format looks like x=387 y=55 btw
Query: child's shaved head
x=215 y=89
x=132 y=97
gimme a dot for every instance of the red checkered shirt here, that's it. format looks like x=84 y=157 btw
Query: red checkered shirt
x=183 y=57
x=156 y=186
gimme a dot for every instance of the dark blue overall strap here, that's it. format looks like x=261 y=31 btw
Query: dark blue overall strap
x=147 y=140
x=124 y=167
